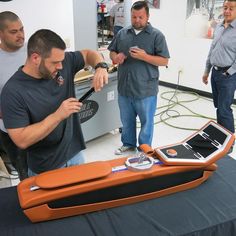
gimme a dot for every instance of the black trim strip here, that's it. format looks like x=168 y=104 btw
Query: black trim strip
x=128 y=190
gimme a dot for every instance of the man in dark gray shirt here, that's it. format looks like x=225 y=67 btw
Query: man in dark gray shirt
x=39 y=107
x=139 y=50
x=222 y=60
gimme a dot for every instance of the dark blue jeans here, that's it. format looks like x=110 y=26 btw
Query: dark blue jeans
x=130 y=109
x=223 y=88
x=78 y=159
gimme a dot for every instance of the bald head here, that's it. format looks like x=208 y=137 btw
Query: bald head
x=7 y=16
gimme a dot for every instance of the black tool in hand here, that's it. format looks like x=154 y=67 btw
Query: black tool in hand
x=87 y=95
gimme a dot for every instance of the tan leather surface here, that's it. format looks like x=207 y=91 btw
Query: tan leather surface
x=72 y=181
x=74 y=174
x=35 y=202
x=146 y=149
x=44 y=212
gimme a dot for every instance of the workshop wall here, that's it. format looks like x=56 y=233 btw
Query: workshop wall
x=188 y=53
x=56 y=15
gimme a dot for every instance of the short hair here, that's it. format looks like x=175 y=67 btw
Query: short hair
x=43 y=41
x=139 y=5
x=7 y=16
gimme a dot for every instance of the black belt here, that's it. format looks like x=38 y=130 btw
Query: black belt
x=223 y=69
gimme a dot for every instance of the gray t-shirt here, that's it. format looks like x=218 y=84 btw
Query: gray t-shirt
x=10 y=62
x=117 y=11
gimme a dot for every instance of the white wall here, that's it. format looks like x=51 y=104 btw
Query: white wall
x=188 y=54
x=56 y=15
x=85 y=24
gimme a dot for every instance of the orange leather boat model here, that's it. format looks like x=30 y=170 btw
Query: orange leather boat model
x=105 y=184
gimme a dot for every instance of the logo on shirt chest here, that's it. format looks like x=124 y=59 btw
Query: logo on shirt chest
x=60 y=80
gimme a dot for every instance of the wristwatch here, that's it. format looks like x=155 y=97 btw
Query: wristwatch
x=102 y=65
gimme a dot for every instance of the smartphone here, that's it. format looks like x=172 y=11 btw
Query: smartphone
x=133 y=47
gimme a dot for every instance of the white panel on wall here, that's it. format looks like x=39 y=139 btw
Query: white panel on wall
x=85 y=24
x=187 y=54
x=56 y=15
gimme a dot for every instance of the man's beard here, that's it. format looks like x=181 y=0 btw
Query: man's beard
x=44 y=72
x=14 y=47
x=140 y=27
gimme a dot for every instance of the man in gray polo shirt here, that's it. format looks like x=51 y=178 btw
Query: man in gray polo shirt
x=222 y=60
x=138 y=49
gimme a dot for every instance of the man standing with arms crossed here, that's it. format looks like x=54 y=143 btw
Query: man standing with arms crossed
x=222 y=61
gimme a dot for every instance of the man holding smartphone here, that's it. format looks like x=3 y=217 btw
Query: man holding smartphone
x=139 y=50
